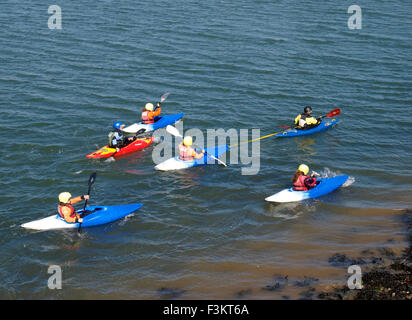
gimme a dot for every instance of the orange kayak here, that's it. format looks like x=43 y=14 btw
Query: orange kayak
x=107 y=152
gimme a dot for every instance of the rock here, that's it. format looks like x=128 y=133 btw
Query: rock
x=170 y=293
x=307 y=281
x=280 y=283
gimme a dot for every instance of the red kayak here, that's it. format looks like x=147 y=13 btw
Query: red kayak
x=107 y=152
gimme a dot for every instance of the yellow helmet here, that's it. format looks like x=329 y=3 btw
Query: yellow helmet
x=64 y=197
x=149 y=106
x=304 y=168
x=188 y=141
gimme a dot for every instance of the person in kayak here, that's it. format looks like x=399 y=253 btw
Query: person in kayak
x=305 y=121
x=116 y=138
x=302 y=181
x=186 y=152
x=65 y=207
x=148 y=114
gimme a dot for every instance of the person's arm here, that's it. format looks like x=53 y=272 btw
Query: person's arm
x=197 y=155
x=311 y=121
x=155 y=113
x=297 y=120
x=78 y=199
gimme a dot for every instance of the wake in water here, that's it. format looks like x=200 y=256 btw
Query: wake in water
x=111 y=159
x=327 y=173
x=291 y=210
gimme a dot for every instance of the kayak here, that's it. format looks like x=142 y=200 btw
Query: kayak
x=177 y=164
x=160 y=122
x=106 y=151
x=326 y=185
x=294 y=132
x=101 y=215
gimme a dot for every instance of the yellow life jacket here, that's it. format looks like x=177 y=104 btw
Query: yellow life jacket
x=303 y=119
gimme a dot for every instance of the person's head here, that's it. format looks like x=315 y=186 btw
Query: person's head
x=188 y=141
x=149 y=106
x=64 y=197
x=307 y=110
x=304 y=169
x=118 y=125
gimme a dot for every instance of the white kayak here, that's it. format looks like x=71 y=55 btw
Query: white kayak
x=160 y=122
x=177 y=164
x=98 y=215
x=325 y=186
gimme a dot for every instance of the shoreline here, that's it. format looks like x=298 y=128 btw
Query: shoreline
x=386 y=277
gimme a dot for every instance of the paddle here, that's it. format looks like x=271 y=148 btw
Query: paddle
x=91 y=181
x=162 y=99
x=174 y=132
x=315 y=173
x=331 y=114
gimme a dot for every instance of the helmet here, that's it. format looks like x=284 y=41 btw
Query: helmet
x=304 y=168
x=117 y=125
x=149 y=106
x=188 y=141
x=307 y=109
x=64 y=197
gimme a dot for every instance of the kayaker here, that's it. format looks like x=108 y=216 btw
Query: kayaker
x=305 y=121
x=302 y=181
x=148 y=114
x=186 y=152
x=65 y=208
x=116 y=138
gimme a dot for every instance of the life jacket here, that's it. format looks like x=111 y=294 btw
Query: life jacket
x=112 y=137
x=146 y=118
x=302 y=185
x=305 y=121
x=185 y=153
x=60 y=210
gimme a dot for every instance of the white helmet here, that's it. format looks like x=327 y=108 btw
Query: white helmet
x=64 y=197
x=188 y=141
x=149 y=106
x=304 y=168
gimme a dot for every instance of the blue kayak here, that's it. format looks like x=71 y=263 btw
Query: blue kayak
x=325 y=186
x=177 y=164
x=99 y=215
x=294 y=132
x=160 y=122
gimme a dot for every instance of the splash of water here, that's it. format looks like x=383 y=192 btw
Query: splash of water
x=328 y=173
x=111 y=159
x=348 y=182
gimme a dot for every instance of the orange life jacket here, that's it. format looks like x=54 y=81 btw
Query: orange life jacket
x=302 y=185
x=60 y=210
x=185 y=153
x=146 y=118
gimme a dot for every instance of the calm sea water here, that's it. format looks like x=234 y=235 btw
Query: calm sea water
x=203 y=233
